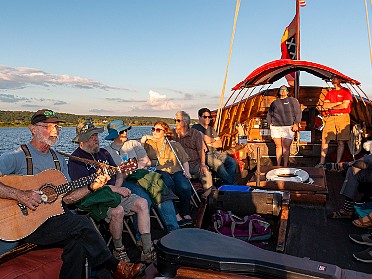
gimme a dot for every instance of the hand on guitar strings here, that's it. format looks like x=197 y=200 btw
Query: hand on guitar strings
x=30 y=198
x=100 y=180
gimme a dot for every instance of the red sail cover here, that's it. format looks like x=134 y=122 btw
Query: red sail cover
x=302 y=3
x=275 y=70
x=288 y=46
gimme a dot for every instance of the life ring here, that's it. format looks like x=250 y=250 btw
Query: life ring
x=319 y=122
x=288 y=174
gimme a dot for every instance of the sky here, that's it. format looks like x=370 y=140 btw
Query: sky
x=154 y=58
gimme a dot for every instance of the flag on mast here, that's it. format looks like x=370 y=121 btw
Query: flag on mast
x=302 y=3
x=288 y=46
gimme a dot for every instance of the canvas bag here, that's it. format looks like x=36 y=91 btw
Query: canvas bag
x=248 y=228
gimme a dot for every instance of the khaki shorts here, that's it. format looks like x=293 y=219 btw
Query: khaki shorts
x=126 y=203
x=336 y=127
x=278 y=132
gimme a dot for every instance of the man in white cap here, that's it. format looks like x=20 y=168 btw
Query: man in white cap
x=87 y=138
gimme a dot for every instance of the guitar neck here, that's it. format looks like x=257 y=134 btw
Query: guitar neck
x=83 y=181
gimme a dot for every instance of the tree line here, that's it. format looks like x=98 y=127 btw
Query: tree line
x=22 y=119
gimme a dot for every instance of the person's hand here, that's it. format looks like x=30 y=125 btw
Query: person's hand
x=187 y=174
x=99 y=181
x=203 y=169
x=124 y=192
x=145 y=138
x=30 y=198
x=294 y=127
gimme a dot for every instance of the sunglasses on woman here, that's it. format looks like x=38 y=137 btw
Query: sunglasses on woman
x=157 y=130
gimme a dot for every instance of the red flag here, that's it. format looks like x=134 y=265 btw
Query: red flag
x=302 y=3
x=288 y=46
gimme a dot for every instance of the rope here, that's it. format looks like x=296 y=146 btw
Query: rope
x=369 y=30
x=218 y=118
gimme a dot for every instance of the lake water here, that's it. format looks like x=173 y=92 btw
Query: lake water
x=11 y=138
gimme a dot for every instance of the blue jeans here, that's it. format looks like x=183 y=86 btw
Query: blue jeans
x=166 y=210
x=223 y=164
x=181 y=187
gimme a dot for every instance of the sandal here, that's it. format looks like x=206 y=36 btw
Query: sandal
x=364 y=222
x=340 y=214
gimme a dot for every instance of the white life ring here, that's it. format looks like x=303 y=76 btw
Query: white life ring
x=288 y=174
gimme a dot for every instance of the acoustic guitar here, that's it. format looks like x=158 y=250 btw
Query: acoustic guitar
x=17 y=221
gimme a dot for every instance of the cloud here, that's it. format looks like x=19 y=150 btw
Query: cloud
x=100 y=111
x=12 y=78
x=158 y=102
x=7 y=98
x=119 y=100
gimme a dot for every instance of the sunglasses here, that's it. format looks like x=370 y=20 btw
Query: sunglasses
x=157 y=130
x=281 y=90
x=178 y=120
x=207 y=116
x=126 y=130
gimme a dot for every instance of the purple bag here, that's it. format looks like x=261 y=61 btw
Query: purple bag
x=248 y=228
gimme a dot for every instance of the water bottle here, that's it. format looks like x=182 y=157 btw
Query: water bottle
x=125 y=157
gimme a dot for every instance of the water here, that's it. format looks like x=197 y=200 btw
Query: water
x=11 y=138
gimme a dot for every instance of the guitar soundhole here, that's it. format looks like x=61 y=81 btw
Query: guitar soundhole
x=49 y=193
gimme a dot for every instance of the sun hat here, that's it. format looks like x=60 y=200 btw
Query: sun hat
x=114 y=128
x=85 y=130
x=46 y=116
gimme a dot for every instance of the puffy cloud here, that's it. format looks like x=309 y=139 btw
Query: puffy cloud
x=20 y=77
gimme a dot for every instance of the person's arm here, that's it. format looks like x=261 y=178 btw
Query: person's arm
x=123 y=191
x=186 y=167
x=142 y=158
x=29 y=198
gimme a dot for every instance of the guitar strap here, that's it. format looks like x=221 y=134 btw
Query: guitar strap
x=29 y=159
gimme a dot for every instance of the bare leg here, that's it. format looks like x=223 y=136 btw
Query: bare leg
x=324 y=151
x=340 y=150
x=116 y=222
x=141 y=209
x=286 y=149
x=278 y=150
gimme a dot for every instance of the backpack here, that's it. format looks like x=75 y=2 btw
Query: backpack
x=248 y=228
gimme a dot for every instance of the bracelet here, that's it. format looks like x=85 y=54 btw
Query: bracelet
x=90 y=188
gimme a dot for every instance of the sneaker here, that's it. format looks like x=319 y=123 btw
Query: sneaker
x=362 y=238
x=128 y=270
x=120 y=254
x=319 y=165
x=149 y=256
x=364 y=256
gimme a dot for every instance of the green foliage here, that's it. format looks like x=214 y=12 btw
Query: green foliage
x=22 y=119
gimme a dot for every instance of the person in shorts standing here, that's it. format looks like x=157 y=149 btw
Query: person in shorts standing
x=284 y=117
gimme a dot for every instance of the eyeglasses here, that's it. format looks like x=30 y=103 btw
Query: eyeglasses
x=157 y=130
x=50 y=127
x=207 y=116
x=284 y=89
x=178 y=120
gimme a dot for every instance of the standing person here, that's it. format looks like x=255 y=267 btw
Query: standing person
x=166 y=163
x=76 y=233
x=220 y=162
x=284 y=117
x=193 y=143
x=120 y=150
x=337 y=124
x=87 y=138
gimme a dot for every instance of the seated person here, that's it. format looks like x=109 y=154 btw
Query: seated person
x=167 y=163
x=87 y=138
x=359 y=172
x=223 y=164
x=76 y=234
x=193 y=143
x=121 y=149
